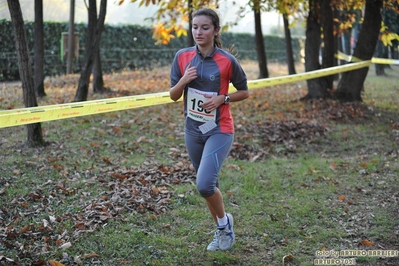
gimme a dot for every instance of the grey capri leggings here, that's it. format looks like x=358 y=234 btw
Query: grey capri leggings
x=207 y=154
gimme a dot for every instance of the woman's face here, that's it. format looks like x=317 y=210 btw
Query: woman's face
x=203 y=30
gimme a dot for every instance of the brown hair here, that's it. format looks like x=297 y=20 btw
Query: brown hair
x=215 y=20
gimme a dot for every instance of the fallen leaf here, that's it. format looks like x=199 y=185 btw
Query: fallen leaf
x=117 y=130
x=55 y=263
x=364 y=165
x=106 y=160
x=91 y=255
x=155 y=190
x=367 y=243
x=333 y=166
x=314 y=170
x=95 y=144
x=81 y=226
x=164 y=169
x=2 y=258
x=287 y=257
x=341 y=198
x=7 y=244
x=119 y=176
x=66 y=246
x=16 y=172
x=25 y=229
x=58 y=167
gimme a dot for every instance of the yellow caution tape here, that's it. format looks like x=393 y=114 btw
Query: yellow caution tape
x=23 y=116
x=55 y=112
x=261 y=83
x=348 y=58
x=374 y=60
x=385 y=61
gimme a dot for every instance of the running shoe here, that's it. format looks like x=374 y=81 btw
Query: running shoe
x=227 y=237
x=214 y=245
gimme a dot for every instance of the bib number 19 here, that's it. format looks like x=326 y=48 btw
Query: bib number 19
x=196 y=105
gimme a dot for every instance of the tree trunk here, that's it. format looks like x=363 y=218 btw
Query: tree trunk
x=394 y=49
x=260 y=46
x=351 y=83
x=190 y=38
x=71 y=38
x=35 y=137
x=98 y=81
x=288 y=45
x=317 y=87
x=94 y=31
x=336 y=34
x=39 y=50
x=328 y=40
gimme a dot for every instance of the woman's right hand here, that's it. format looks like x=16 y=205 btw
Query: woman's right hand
x=190 y=74
x=177 y=91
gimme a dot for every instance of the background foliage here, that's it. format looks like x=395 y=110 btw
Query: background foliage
x=123 y=47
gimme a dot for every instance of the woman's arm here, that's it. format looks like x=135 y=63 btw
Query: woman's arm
x=216 y=100
x=238 y=96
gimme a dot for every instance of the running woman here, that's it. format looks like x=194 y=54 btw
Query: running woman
x=202 y=74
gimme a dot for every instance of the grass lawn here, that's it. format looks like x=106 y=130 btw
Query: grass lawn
x=305 y=181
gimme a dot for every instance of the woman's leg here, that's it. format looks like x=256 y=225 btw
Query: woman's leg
x=216 y=205
x=208 y=155
x=215 y=152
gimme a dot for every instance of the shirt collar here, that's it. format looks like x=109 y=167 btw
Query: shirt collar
x=215 y=48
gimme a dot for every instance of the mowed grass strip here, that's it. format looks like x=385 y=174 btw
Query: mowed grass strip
x=290 y=198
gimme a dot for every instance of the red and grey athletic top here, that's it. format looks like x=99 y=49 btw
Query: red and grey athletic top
x=215 y=72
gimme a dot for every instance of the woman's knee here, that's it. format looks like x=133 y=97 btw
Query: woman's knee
x=206 y=190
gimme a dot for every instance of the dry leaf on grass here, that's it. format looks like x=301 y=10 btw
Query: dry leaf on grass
x=367 y=243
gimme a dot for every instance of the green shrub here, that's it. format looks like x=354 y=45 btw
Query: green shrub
x=122 y=47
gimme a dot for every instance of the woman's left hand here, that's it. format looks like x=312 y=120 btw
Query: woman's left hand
x=213 y=103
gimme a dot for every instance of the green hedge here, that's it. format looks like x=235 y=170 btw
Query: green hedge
x=122 y=47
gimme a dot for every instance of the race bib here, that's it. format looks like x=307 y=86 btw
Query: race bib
x=194 y=99
x=208 y=126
